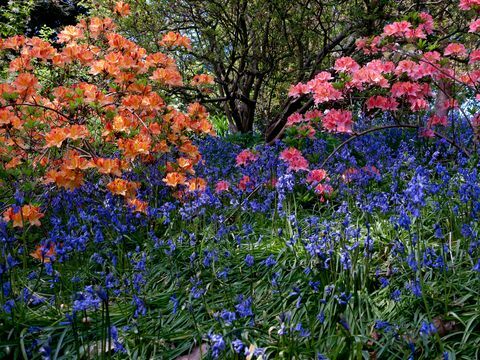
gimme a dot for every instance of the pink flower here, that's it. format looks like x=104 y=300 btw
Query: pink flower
x=399 y=28
x=368 y=46
x=338 y=120
x=323 y=76
x=418 y=104
x=245 y=182
x=316 y=176
x=455 y=49
x=474 y=26
x=409 y=89
x=382 y=102
x=474 y=56
x=313 y=114
x=369 y=74
x=349 y=174
x=294 y=158
x=297 y=90
x=222 y=186
x=468 y=4
x=307 y=130
x=437 y=120
x=427 y=24
x=323 y=91
x=432 y=57
x=415 y=33
x=294 y=119
x=323 y=189
x=346 y=64
x=245 y=156
x=370 y=170
x=427 y=132
x=476 y=121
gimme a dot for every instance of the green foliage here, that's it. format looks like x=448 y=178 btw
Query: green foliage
x=220 y=124
x=248 y=140
x=14 y=16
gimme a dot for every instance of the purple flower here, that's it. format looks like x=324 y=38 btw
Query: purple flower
x=302 y=332
x=249 y=260
x=238 y=346
x=218 y=345
x=270 y=261
x=427 y=329
x=477 y=266
x=244 y=307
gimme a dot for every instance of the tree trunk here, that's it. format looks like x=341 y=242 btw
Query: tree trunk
x=276 y=127
x=242 y=115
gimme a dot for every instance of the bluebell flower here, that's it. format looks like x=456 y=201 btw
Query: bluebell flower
x=427 y=329
x=238 y=346
x=218 y=345
x=414 y=287
x=302 y=332
x=227 y=316
x=8 y=306
x=384 y=282
x=477 y=266
x=259 y=352
x=117 y=345
x=396 y=295
x=321 y=317
x=244 y=306
x=270 y=261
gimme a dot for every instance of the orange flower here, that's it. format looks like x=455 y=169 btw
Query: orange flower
x=109 y=166
x=138 y=205
x=73 y=161
x=98 y=67
x=12 y=164
x=44 y=254
x=122 y=9
x=189 y=149
x=172 y=39
x=202 y=79
x=66 y=178
x=121 y=124
x=169 y=77
x=76 y=132
x=139 y=145
x=174 y=178
x=56 y=137
x=69 y=33
x=28 y=213
x=197 y=184
x=123 y=187
x=186 y=164
x=26 y=84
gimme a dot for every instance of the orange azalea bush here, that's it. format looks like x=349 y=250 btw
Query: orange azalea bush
x=67 y=107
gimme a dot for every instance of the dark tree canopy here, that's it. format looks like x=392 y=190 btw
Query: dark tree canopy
x=29 y=16
x=257 y=48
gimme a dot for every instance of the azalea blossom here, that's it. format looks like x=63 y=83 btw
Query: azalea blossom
x=338 y=121
x=20 y=216
x=455 y=49
x=222 y=186
x=316 y=176
x=294 y=158
x=245 y=157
